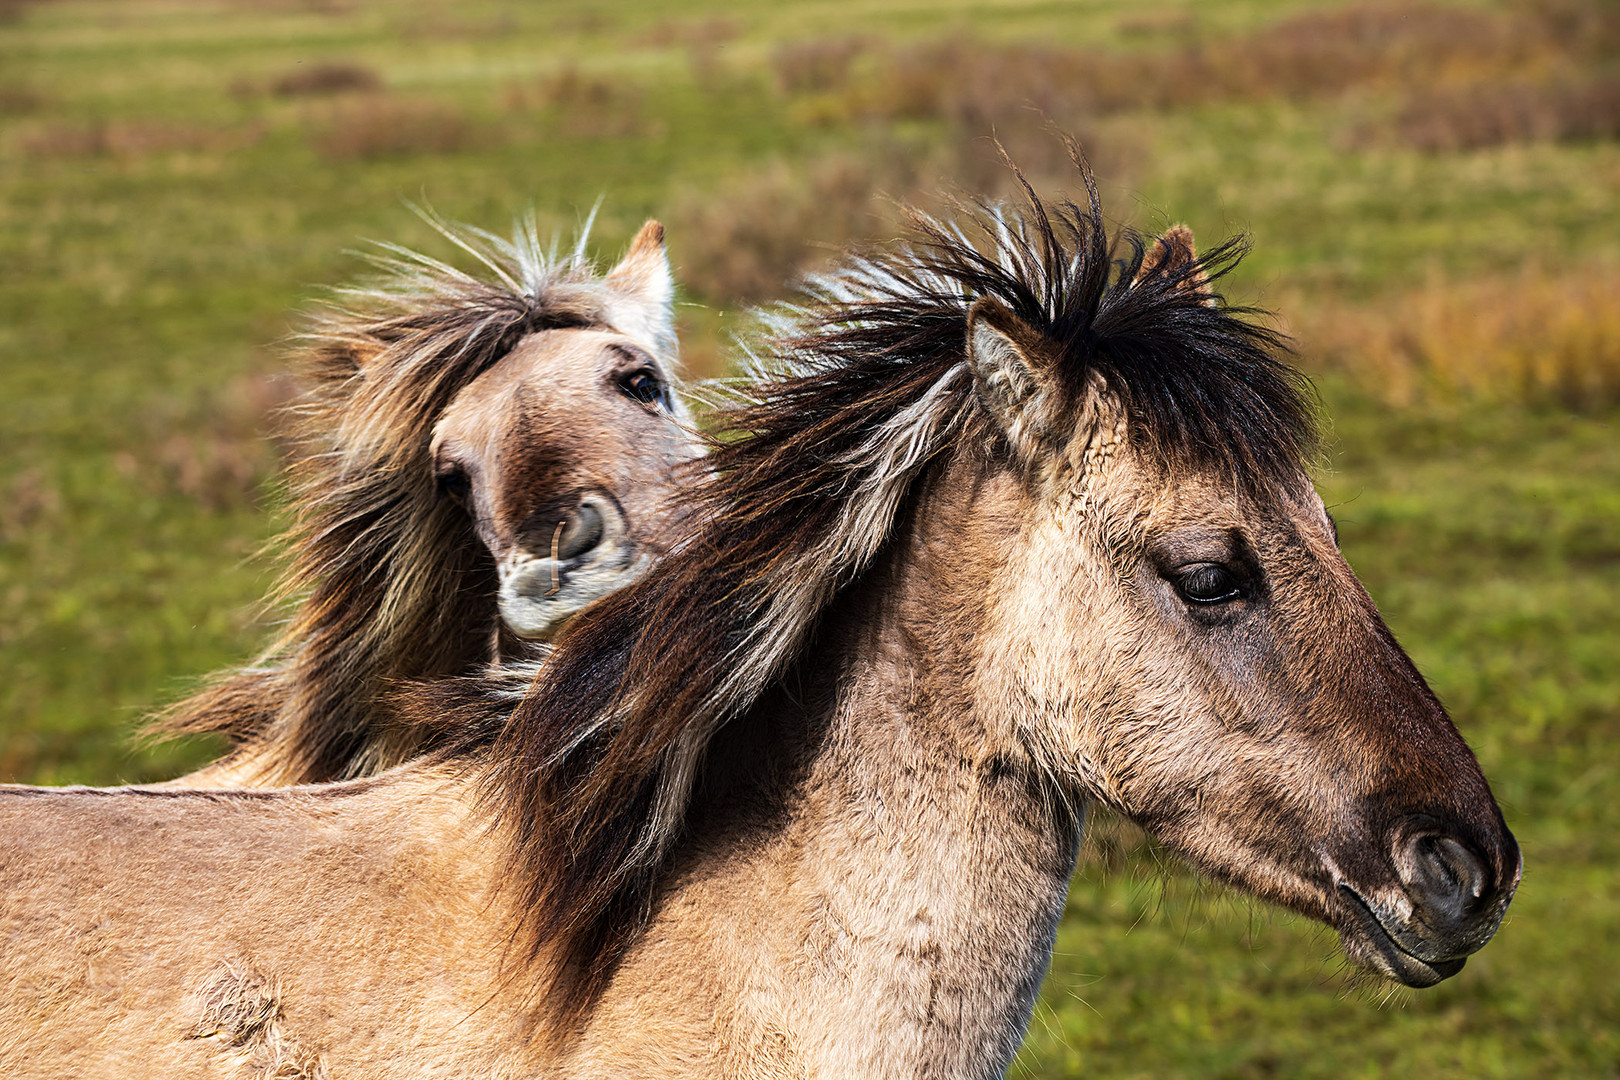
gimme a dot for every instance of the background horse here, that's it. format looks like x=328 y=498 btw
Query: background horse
x=1003 y=533
x=481 y=458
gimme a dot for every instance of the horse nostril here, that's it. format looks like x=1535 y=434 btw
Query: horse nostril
x=1446 y=877
x=580 y=532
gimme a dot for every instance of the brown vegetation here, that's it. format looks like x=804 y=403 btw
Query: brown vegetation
x=215 y=453
x=377 y=126
x=19 y=99
x=1492 y=113
x=1438 y=56
x=818 y=65
x=134 y=139
x=745 y=241
x=583 y=104
x=322 y=79
x=1539 y=336
x=701 y=33
x=31 y=503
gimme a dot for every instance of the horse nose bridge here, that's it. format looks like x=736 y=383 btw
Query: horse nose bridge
x=1403 y=741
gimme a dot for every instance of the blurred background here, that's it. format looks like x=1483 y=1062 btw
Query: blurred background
x=1431 y=189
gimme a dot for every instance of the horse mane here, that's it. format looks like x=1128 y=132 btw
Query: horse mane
x=385 y=580
x=860 y=387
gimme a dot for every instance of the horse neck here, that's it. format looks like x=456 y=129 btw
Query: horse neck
x=873 y=856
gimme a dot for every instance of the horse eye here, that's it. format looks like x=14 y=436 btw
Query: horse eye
x=1208 y=583
x=646 y=387
x=454 y=483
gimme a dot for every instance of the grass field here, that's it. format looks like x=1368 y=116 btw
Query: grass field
x=1431 y=194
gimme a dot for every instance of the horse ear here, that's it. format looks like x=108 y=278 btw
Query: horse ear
x=644 y=291
x=1174 y=253
x=1014 y=376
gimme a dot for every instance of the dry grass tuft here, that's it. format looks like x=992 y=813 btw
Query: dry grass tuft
x=19 y=99
x=12 y=11
x=817 y=66
x=584 y=105
x=326 y=79
x=702 y=39
x=217 y=455
x=1540 y=336
x=1494 y=113
x=31 y=504
x=1324 y=53
x=745 y=241
x=1416 y=49
x=692 y=34
x=375 y=126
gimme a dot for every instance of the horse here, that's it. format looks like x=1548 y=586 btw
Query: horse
x=998 y=529
x=483 y=456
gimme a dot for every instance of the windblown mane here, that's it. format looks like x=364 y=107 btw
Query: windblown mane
x=862 y=387
x=386 y=580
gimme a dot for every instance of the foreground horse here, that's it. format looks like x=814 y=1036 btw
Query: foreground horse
x=482 y=459
x=1001 y=535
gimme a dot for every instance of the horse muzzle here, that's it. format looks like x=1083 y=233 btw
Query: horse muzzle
x=590 y=554
x=1450 y=899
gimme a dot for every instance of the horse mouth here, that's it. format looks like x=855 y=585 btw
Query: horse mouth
x=1383 y=951
x=591 y=554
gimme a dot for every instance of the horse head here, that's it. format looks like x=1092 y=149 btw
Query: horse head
x=482 y=456
x=1182 y=638
x=563 y=452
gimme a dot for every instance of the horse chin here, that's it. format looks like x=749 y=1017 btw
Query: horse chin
x=539 y=594
x=1380 y=941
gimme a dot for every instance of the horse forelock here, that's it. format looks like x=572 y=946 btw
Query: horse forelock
x=856 y=390
x=381 y=570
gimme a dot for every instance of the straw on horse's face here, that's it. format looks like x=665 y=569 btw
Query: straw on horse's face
x=1197 y=653
x=564 y=477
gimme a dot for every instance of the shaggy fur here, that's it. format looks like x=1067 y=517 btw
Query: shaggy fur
x=390 y=579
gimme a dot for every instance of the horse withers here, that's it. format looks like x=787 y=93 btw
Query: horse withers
x=997 y=532
x=482 y=457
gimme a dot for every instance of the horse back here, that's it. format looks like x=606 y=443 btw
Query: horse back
x=235 y=933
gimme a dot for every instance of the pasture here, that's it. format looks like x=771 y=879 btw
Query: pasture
x=177 y=177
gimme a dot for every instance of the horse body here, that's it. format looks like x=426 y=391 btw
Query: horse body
x=804 y=800
x=237 y=937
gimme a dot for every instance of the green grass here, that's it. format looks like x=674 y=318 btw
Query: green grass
x=142 y=291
